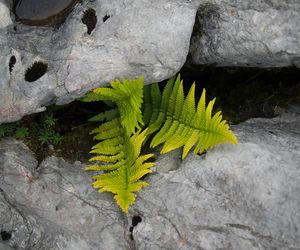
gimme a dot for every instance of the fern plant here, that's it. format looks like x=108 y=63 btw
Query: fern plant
x=120 y=143
x=173 y=119
x=180 y=123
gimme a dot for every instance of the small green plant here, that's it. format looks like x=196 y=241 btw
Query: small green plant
x=21 y=132
x=171 y=117
x=3 y=131
x=57 y=139
x=49 y=121
x=45 y=136
x=44 y=130
x=7 y=129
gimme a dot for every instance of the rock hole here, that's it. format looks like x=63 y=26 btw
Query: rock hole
x=90 y=20
x=105 y=18
x=5 y=235
x=12 y=62
x=135 y=220
x=36 y=71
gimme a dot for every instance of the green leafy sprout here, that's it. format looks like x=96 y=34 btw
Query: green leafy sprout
x=44 y=130
x=22 y=132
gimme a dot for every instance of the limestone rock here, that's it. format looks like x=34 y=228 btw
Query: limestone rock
x=41 y=65
x=243 y=196
x=247 y=33
x=54 y=206
x=234 y=197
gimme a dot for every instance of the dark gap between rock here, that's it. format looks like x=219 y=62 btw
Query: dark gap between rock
x=36 y=71
x=90 y=20
x=5 y=235
x=135 y=220
x=105 y=18
x=12 y=62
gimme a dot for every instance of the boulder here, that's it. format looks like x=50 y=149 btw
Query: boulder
x=53 y=205
x=243 y=196
x=234 y=197
x=247 y=33
x=99 y=41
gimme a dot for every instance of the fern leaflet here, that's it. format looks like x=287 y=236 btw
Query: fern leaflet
x=179 y=123
x=126 y=165
x=119 y=147
x=129 y=98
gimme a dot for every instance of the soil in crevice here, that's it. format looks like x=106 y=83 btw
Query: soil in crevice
x=242 y=93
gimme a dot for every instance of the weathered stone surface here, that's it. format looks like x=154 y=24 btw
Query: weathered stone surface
x=234 y=197
x=247 y=33
x=131 y=39
x=54 y=206
x=5 y=16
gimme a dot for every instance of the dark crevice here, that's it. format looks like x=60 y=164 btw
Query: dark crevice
x=12 y=62
x=135 y=220
x=36 y=71
x=5 y=235
x=244 y=93
x=90 y=20
x=202 y=153
x=144 y=177
x=105 y=18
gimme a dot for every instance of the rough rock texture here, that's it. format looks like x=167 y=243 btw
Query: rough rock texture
x=105 y=40
x=234 y=197
x=54 y=206
x=247 y=33
x=130 y=39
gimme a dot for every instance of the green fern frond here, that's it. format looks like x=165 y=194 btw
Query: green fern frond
x=119 y=146
x=180 y=124
x=128 y=95
x=126 y=167
x=105 y=116
x=174 y=117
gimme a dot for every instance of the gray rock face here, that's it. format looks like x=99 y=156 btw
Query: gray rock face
x=247 y=33
x=105 y=40
x=234 y=197
x=54 y=206
x=131 y=39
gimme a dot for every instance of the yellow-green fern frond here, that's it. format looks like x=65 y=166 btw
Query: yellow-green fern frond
x=156 y=105
x=105 y=116
x=128 y=96
x=126 y=167
x=180 y=124
x=174 y=117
